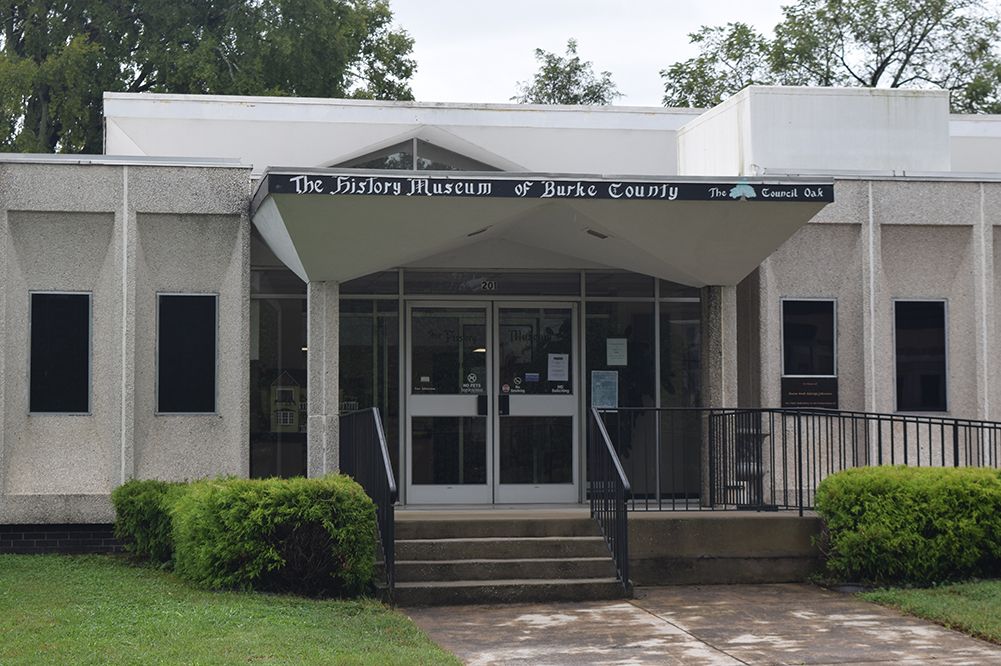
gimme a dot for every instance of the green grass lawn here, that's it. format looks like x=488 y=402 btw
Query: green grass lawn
x=973 y=608
x=97 y=609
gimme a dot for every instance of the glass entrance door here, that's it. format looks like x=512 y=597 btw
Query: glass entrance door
x=448 y=439
x=492 y=403
x=536 y=417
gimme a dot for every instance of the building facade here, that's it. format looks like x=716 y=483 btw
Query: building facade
x=483 y=274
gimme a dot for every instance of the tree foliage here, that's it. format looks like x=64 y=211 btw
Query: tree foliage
x=567 y=80
x=57 y=58
x=947 y=44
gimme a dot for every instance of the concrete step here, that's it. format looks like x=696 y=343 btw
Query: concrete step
x=499 y=569
x=441 y=593
x=500 y=548
x=417 y=528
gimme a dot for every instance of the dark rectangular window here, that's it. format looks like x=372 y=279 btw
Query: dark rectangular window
x=919 y=332
x=60 y=353
x=186 y=353
x=808 y=338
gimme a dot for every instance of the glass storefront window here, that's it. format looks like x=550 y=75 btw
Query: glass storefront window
x=620 y=339
x=449 y=349
x=370 y=363
x=276 y=281
x=680 y=387
x=618 y=284
x=621 y=364
x=680 y=353
x=675 y=290
x=492 y=283
x=278 y=387
x=384 y=283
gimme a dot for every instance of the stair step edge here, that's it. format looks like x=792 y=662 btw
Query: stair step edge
x=511 y=560
x=503 y=539
x=516 y=582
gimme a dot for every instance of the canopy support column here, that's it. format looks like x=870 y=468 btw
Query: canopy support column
x=322 y=385
x=719 y=362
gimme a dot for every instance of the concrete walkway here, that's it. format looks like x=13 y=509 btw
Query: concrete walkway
x=722 y=624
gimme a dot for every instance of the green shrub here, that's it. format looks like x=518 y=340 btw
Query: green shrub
x=907 y=524
x=142 y=518
x=308 y=536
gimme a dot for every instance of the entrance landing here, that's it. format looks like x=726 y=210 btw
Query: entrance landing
x=665 y=547
x=723 y=624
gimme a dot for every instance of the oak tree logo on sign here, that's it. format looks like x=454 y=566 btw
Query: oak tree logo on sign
x=742 y=191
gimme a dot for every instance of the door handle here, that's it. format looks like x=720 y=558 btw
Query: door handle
x=482 y=402
x=503 y=405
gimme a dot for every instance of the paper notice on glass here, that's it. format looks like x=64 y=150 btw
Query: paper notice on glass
x=615 y=351
x=559 y=368
x=605 y=389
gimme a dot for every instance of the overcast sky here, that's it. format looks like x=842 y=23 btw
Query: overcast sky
x=478 y=50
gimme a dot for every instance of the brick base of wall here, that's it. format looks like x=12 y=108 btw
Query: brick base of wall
x=69 y=539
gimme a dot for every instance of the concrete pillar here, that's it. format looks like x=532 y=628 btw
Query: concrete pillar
x=983 y=306
x=322 y=385
x=719 y=346
x=3 y=336
x=871 y=284
x=719 y=363
x=127 y=233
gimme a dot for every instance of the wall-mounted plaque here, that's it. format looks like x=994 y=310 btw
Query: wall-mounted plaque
x=810 y=392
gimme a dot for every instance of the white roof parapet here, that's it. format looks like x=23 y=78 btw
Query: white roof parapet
x=121 y=160
x=320 y=109
x=819 y=129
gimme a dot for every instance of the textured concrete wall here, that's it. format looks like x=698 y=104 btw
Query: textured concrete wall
x=893 y=239
x=121 y=233
x=672 y=548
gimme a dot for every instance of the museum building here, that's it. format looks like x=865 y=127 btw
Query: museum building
x=234 y=273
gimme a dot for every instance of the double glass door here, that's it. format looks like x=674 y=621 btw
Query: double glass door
x=492 y=403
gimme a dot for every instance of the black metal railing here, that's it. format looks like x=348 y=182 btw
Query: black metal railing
x=364 y=456
x=608 y=493
x=769 y=459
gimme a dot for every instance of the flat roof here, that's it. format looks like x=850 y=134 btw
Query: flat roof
x=122 y=160
x=317 y=109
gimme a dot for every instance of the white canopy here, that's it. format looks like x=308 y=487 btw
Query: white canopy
x=340 y=224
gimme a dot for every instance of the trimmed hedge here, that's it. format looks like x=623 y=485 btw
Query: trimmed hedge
x=142 y=518
x=308 y=536
x=911 y=525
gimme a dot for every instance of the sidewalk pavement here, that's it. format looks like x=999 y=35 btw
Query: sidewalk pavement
x=692 y=625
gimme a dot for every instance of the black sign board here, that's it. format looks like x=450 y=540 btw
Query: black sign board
x=810 y=392
x=543 y=188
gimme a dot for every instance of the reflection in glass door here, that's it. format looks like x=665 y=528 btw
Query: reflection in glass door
x=536 y=422
x=449 y=435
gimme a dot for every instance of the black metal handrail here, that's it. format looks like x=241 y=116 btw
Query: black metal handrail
x=364 y=456
x=774 y=458
x=608 y=492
